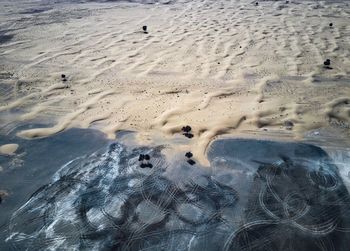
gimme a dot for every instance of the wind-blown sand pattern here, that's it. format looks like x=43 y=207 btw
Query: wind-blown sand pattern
x=223 y=67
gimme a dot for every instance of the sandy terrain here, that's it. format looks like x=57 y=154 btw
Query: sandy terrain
x=8 y=149
x=222 y=67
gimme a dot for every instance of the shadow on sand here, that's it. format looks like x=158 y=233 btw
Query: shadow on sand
x=258 y=195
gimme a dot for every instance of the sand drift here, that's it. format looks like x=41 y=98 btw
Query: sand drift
x=258 y=195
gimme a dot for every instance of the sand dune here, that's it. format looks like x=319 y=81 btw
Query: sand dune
x=222 y=67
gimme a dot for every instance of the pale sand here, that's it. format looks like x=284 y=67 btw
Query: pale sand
x=225 y=67
x=8 y=149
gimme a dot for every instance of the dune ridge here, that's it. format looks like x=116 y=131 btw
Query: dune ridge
x=220 y=67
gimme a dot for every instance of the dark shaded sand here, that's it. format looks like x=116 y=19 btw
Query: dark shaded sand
x=34 y=10
x=258 y=195
x=34 y=164
x=5 y=37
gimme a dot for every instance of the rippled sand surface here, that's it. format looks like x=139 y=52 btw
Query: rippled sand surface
x=259 y=94
x=222 y=67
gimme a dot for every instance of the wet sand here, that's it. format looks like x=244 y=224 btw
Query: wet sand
x=79 y=190
x=34 y=164
x=221 y=67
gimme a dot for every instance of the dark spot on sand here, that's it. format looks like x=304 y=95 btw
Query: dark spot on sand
x=141 y=157
x=191 y=162
x=288 y=124
x=189 y=155
x=63 y=77
x=256 y=3
x=5 y=37
x=144 y=28
x=188 y=135
x=186 y=128
x=144 y=158
x=330 y=24
x=144 y=165
x=261 y=123
x=327 y=62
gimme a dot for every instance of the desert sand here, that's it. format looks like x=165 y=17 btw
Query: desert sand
x=8 y=149
x=222 y=67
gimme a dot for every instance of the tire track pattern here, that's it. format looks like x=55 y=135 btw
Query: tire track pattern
x=107 y=202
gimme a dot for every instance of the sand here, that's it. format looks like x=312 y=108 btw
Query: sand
x=224 y=68
x=238 y=204
x=8 y=149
